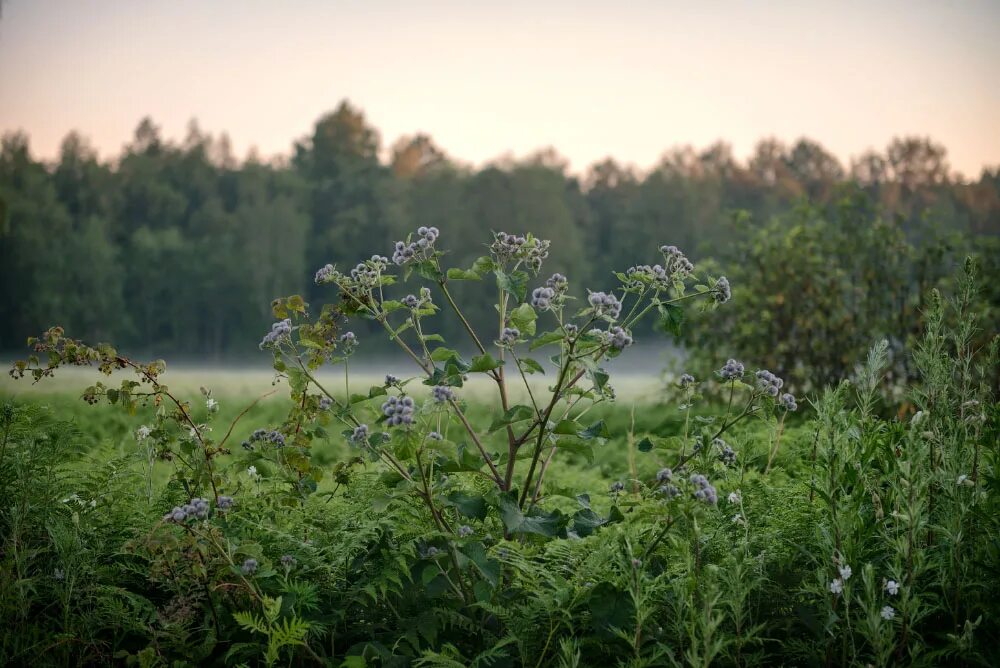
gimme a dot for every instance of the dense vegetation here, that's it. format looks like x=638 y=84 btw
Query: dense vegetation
x=398 y=524
x=177 y=249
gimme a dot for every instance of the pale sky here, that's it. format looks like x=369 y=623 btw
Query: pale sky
x=625 y=79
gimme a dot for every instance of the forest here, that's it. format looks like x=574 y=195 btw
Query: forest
x=177 y=249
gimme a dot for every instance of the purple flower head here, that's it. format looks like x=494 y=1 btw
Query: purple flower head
x=605 y=304
x=676 y=263
x=326 y=274
x=703 y=490
x=398 y=411
x=360 y=434
x=721 y=292
x=541 y=298
x=279 y=330
x=619 y=338
x=768 y=383
x=733 y=370
x=443 y=393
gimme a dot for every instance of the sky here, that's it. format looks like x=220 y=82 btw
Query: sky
x=486 y=79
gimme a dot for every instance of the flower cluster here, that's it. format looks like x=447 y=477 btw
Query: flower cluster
x=677 y=264
x=541 y=298
x=686 y=380
x=224 y=502
x=618 y=338
x=726 y=454
x=349 y=341
x=558 y=283
x=641 y=274
x=360 y=434
x=664 y=475
x=788 y=402
x=704 y=491
x=142 y=433
x=325 y=403
x=721 y=292
x=279 y=330
x=443 y=393
x=510 y=335
x=733 y=370
x=768 y=383
x=465 y=531
x=391 y=380
x=398 y=410
x=507 y=246
x=288 y=561
x=435 y=436
x=421 y=249
x=273 y=436
x=249 y=566
x=605 y=304
x=325 y=274
x=195 y=508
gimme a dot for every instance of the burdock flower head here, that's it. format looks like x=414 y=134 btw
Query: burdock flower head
x=768 y=383
x=510 y=335
x=676 y=263
x=619 y=338
x=721 y=292
x=398 y=411
x=279 y=330
x=703 y=489
x=541 y=298
x=443 y=393
x=733 y=370
x=422 y=248
x=605 y=304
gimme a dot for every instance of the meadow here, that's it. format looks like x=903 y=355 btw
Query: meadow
x=513 y=506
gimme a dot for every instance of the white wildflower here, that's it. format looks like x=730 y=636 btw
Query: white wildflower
x=888 y=612
x=892 y=587
x=735 y=497
x=252 y=472
x=212 y=405
x=142 y=433
x=845 y=572
x=837 y=586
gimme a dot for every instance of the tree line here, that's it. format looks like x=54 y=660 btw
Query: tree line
x=177 y=248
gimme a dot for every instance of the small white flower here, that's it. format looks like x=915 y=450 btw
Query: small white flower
x=142 y=433
x=845 y=572
x=888 y=612
x=58 y=574
x=892 y=587
x=93 y=503
x=738 y=518
x=837 y=586
x=917 y=418
x=192 y=432
x=966 y=481
x=211 y=404
x=735 y=497
x=252 y=472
